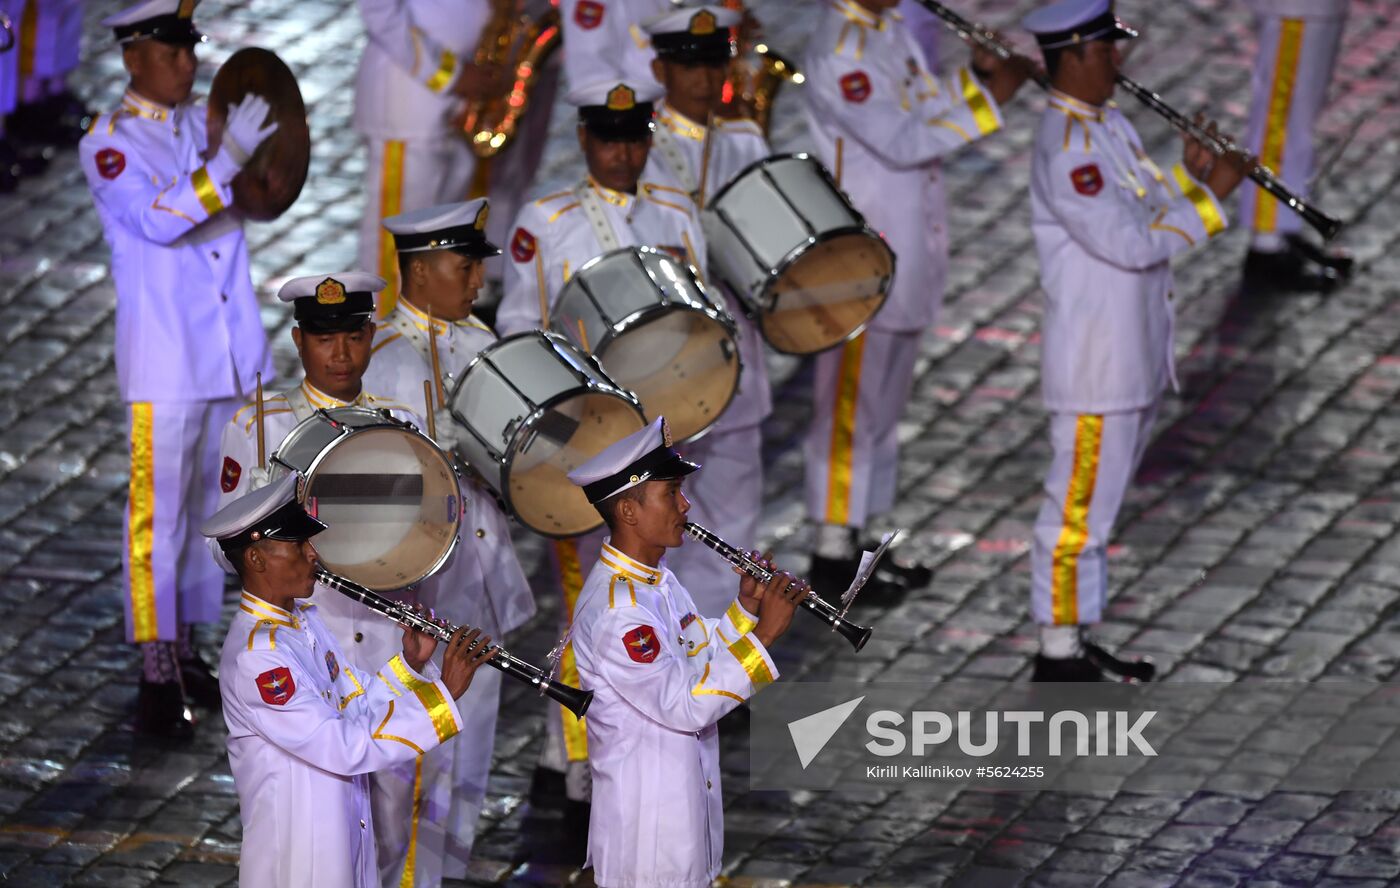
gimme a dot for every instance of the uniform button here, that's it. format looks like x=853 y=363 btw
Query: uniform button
x=359 y=636
x=362 y=824
x=215 y=254
x=480 y=533
x=709 y=785
x=223 y=297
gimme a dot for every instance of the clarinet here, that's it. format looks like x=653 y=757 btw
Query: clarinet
x=814 y=603
x=571 y=698
x=1326 y=225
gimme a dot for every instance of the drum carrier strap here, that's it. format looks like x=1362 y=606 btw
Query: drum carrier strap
x=664 y=141
x=301 y=408
x=404 y=324
x=597 y=217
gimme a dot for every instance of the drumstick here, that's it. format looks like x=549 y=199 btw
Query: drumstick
x=705 y=161
x=433 y=355
x=839 y=146
x=583 y=336
x=258 y=411
x=690 y=255
x=429 y=415
x=544 y=297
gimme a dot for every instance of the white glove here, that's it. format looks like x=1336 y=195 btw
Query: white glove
x=246 y=127
x=446 y=428
x=258 y=478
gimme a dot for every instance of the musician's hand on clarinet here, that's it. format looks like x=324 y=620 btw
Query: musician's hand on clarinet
x=1222 y=174
x=467 y=651
x=1003 y=77
x=418 y=646
x=750 y=590
x=779 y=602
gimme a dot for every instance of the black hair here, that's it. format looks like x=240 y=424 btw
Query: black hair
x=608 y=507
x=1052 y=57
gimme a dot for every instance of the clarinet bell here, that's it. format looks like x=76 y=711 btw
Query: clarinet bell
x=576 y=700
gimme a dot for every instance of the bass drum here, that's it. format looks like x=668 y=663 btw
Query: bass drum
x=535 y=407
x=386 y=493
x=272 y=179
x=658 y=334
x=808 y=268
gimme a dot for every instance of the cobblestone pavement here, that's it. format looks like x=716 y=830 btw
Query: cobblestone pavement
x=1257 y=545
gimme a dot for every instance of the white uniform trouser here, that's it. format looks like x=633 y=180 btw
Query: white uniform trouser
x=852 y=446
x=726 y=496
x=1093 y=461
x=566 y=738
x=170 y=577
x=404 y=175
x=1291 y=72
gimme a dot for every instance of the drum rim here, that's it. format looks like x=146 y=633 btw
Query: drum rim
x=772 y=159
x=348 y=432
x=507 y=461
x=796 y=253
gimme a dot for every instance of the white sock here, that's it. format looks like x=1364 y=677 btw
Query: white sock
x=1060 y=642
x=1266 y=242
x=835 y=541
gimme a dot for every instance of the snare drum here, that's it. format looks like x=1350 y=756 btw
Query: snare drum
x=801 y=258
x=657 y=333
x=386 y=493
x=535 y=407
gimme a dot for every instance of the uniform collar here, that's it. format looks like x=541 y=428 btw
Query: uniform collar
x=629 y=567
x=616 y=198
x=1070 y=105
x=322 y=401
x=264 y=612
x=854 y=12
x=678 y=123
x=134 y=104
x=420 y=319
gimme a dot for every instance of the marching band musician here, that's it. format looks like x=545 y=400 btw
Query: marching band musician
x=693 y=51
x=881 y=121
x=334 y=335
x=189 y=339
x=552 y=237
x=662 y=674
x=603 y=40
x=305 y=726
x=1298 y=44
x=441 y=253
x=416 y=71
x=1107 y=222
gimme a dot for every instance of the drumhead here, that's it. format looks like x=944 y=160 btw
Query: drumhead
x=827 y=293
x=387 y=495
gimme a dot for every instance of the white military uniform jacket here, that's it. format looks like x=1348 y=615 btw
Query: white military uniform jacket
x=305 y=729
x=415 y=51
x=604 y=40
x=1107 y=222
x=675 y=160
x=661 y=676
x=557 y=235
x=401 y=362
x=869 y=85
x=187 y=317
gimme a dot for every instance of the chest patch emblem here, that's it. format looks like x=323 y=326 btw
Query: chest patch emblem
x=110 y=163
x=589 y=14
x=522 y=246
x=1087 y=179
x=641 y=644
x=276 y=686
x=332 y=666
x=855 y=86
x=228 y=477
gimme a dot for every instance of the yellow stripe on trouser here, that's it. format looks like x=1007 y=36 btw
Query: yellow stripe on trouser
x=1074 y=532
x=406 y=880
x=1290 y=44
x=390 y=200
x=571 y=581
x=843 y=430
x=141 y=516
x=28 y=37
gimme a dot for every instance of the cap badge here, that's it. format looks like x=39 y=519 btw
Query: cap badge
x=635 y=479
x=666 y=432
x=702 y=23
x=481 y=215
x=621 y=98
x=330 y=292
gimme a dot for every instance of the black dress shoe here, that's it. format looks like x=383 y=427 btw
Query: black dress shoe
x=831 y=577
x=547 y=787
x=1287 y=270
x=1340 y=260
x=161 y=712
x=912 y=575
x=1135 y=671
x=22 y=160
x=201 y=684
x=1065 y=669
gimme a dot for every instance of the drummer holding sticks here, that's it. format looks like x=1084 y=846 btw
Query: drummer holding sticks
x=334 y=336
x=699 y=153
x=430 y=337
x=879 y=116
x=189 y=340
x=552 y=237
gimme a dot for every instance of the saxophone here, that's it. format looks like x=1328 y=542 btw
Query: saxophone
x=521 y=45
x=755 y=75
